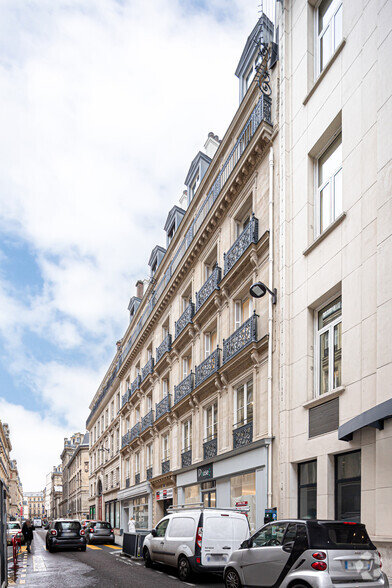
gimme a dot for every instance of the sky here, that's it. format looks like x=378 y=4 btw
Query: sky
x=103 y=106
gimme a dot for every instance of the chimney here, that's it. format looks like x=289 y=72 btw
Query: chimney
x=139 y=289
x=184 y=199
x=211 y=145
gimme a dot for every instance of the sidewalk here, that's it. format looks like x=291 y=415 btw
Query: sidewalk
x=118 y=539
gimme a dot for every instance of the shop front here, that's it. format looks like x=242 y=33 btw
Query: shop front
x=136 y=502
x=112 y=513
x=237 y=479
x=164 y=495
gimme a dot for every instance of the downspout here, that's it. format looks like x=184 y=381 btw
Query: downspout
x=270 y=319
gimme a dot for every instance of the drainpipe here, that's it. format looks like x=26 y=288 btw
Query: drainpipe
x=270 y=319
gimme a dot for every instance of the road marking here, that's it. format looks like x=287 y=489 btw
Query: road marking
x=93 y=547
x=113 y=546
x=38 y=563
x=173 y=577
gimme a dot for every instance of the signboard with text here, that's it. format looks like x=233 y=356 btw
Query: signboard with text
x=164 y=494
x=205 y=472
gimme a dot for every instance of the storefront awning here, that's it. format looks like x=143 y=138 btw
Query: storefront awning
x=374 y=417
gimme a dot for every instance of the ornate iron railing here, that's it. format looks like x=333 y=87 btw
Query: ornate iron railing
x=162 y=407
x=147 y=420
x=210 y=448
x=166 y=466
x=185 y=387
x=242 y=435
x=184 y=319
x=135 y=431
x=125 y=440
x=208 y=287
x=137 y=478
x=164 y=346
x=246 y=333
x=148 y=368
x=127 y=483
x=209 y=366
x=186 y=458
x=135 y=384
x=149 y=473
x=249 y=235
x=125 y=398
x=260 y=113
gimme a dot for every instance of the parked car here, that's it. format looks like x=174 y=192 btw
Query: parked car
x=85 y=522
x=99 y=532
x=307 y=553
x=196 y=540
x=65 y=533
x=14 y=527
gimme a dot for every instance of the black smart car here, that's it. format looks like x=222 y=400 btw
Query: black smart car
x=65 y=534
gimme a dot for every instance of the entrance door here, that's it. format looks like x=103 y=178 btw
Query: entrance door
x=166 y=503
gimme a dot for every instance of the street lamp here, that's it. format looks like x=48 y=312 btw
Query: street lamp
x=259 y=290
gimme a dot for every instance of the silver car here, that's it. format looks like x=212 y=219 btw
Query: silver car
x=307 y=553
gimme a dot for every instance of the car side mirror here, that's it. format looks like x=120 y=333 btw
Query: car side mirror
x=246 y=544
x=288 y=546
x=154 y=532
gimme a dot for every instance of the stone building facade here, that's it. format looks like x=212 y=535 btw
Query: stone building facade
x=78 y=466
x=70 y=446
x=15 y=491
x=35 y=505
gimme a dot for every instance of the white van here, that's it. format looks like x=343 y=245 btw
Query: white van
x=196 y=539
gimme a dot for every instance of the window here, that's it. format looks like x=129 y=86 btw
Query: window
x=161 y=528
x=194 y=186
x=149 y=455
x=165 y=447
x=211 y=415
x=329 y=30
x=186 y=366
x=112 y=411
x=243 y=404
x=187 y=435
x=137 y=462
x=242 y=311
x=270 y=535
x=209 y=343
x=329 y=185
x=165 y=387
x=348 y=487
x=329 y=347
x=149 y=402
x=182 y=527
x=241 y=224
x=307 y=490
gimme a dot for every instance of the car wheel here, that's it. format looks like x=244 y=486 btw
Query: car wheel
x=50 y=549
x=147 y=558
x=184 y=569
x=232 y=579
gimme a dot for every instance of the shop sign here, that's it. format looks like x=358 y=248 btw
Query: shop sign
x=164 y=494
x=242 y=503
x=205 y=473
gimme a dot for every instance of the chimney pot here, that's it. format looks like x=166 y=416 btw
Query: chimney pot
x=139 y=289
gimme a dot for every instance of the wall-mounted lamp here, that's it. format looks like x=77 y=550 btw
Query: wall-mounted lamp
x=259 y=290
x=103 y=449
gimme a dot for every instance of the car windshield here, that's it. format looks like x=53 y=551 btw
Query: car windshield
x=339 y=536
x=13 y=525
x=102 y=526
x=67 y=526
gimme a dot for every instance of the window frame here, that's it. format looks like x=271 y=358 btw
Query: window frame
x=186 y=435
x=318 y=35
x=307 y=485
x=329 y=181
x=245 y=421
x=339 y=481
x=317 y=347
x=214 y=420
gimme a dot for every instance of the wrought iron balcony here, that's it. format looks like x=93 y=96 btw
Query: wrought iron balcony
x=166 y=466
x=184 y=319
x=127 y=483
x=162 y=407
x=149 y=473
x=135 y=385
x=185 y=387
x=148 y=368
x=164 y=346
x=135 y=431
x=125 y=398
x=210 y=448
x=147 y=420
x=249 y=235
x=137 y=478
x=125 y=440
x=209 y=366
x=242 y=435
x=240 y=338
x=186 y=458
x=208 y=287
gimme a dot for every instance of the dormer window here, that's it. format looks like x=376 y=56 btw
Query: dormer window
x=195 y=185
x=156 y=258
x=173 y=220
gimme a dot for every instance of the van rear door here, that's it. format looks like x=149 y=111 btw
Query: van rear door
x=222 y=534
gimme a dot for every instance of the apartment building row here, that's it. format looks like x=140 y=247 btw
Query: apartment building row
x=9 y=475
x=69 y=482
x=53 y=492
x=219 y=397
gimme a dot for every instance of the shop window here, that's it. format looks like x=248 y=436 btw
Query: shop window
x=243 y=491
x=140 y=512
x=348 y=487
x=329 y=347
x=307 y=490
x=243 y=404
x=192 y=494
x=208 y=491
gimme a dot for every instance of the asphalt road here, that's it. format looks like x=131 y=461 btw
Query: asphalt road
x=100 y=566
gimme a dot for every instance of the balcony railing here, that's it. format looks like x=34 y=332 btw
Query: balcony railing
x=162 y=407
x=184 y=319
x=137 y=478
x=186 y=458
x=210 y=448
x=149 y=473
x=249 y=235
x=147 y=420
x=209 y=366
x=242 y=435
x=185 y=387
x=148 y=368
x=125 y=440
x=127 y=483
x=135 y=384
x=135 y=431
x=164 y=346
x=211 y=284
x=125 y=398
x=166 y=466
x=260 y=113
x=240 y=338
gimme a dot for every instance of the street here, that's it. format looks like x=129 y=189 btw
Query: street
x=101 y=566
